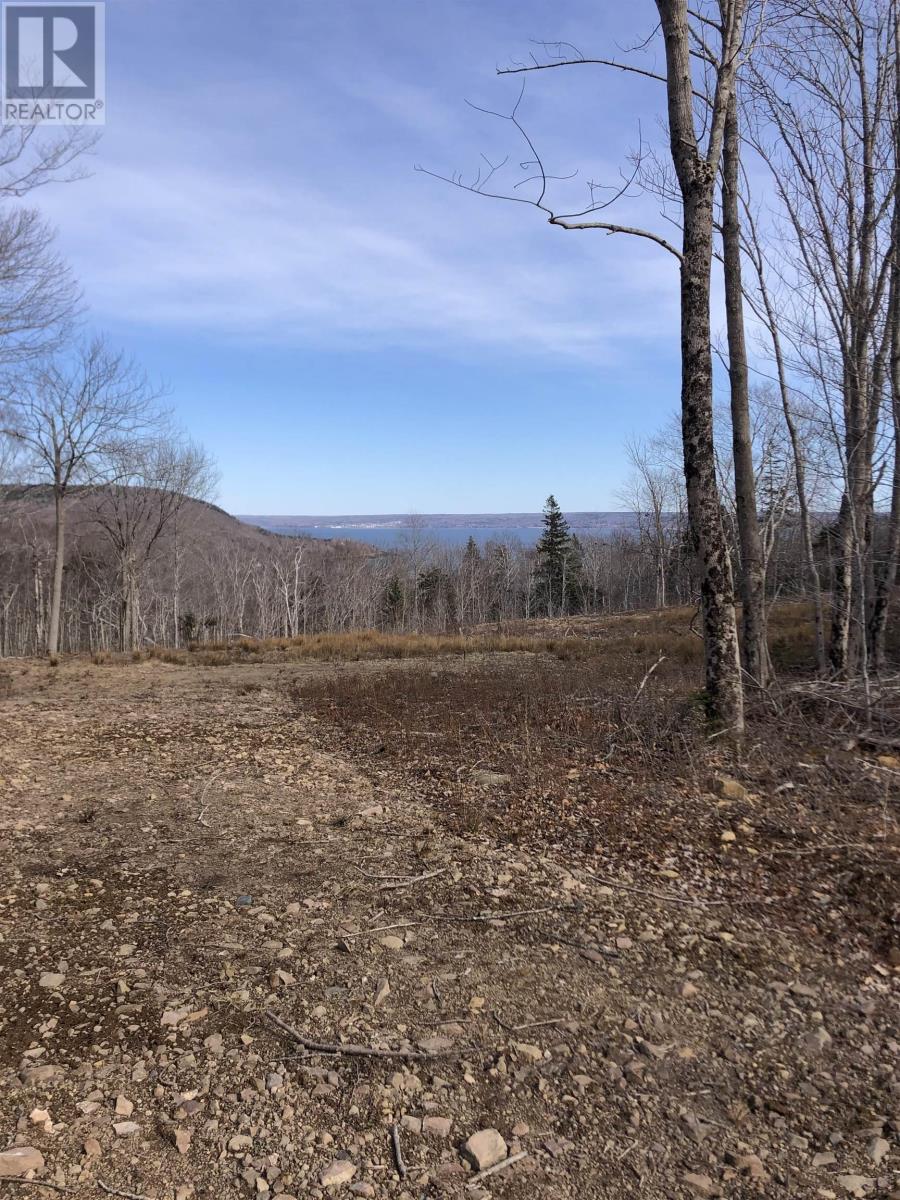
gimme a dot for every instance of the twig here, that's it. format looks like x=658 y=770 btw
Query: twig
x=436 y=917
x=203 y=807
x=404 y=883
x=500 y=1166
x=55 y=1187
x=658 y=663
x=349 y=1049
x=665 y=897
x=398 y=1153
x=115 y=1192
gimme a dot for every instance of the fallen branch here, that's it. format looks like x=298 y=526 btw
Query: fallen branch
x=479 y=917
x=497 y=1167
x=350 y=1050
x=115 y=1192
x=398 y=1153
x=664 y=896
x=54 y=1187
x=412 y=879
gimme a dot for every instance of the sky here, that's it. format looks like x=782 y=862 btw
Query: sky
x=344 y=333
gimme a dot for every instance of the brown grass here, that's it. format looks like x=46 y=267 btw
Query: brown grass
x=637 y=637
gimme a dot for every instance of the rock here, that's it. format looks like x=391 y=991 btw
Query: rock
x=701 y=1185
x=126 y=1128
x=32 y=1076
x=729 y=836
x=877 y=1149
x=729 y=789
x=239 y=1143
x=748 y=1164
x=358 y=1189
x=52 y=981
x=92 y=1148
x=340 y=1172
x=823 y=1159
x=182 y=1140
x=490 y=778
x=392 y=942
x=485 y=1149
x=439 y=1126
x=818 y=1041
x=173 y=1017
x=19 y=1161
x=689 y=990
x=527 y=1051
x=381 y=993
x=39 y=1116
x=856 y=1185
x=124 y=1107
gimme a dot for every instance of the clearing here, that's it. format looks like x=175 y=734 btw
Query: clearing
x=655 y=973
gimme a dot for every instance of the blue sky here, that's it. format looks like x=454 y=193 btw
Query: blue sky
x=343 y=333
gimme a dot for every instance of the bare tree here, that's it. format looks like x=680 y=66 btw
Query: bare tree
x=152 y=480
x=824 y=97
x=71 y=417
x=754 y=652
x=695 y=143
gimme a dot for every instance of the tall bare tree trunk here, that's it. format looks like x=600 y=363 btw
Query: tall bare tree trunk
x=697 y=174
x=754 y=654
x=59 y=557
x=887 y=576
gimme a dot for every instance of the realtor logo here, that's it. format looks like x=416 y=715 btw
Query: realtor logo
x=54 y=68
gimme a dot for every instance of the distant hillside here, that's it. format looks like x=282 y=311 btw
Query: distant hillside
x=31 y=505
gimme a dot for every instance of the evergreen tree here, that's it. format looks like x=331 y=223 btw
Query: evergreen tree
x=554 y=549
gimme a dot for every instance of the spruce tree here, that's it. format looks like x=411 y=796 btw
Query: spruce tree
x=555 y=551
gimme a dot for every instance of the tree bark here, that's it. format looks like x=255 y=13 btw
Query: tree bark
x=59 y=558
x=697 y=174
x=754 y=655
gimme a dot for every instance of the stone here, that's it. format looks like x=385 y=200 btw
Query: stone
x=729 y=789
x=126 y=1128
x=485 y=1149
x=824 y=1159
x=392 y=942
x=439 y=1126
x=358 y=1189
x=877 y=1149
x=818 y=1041
x=51 y=980
x=124 y=1107
x=182 y=1140
x=32 y=1076
x=529 y=1052
x=18 y=1161
x=490 y=778
x=856 y=1185
x=340 y=1172
x=700 y=1185
x=239 y=1143
x=39 y=1116
x=381 y=993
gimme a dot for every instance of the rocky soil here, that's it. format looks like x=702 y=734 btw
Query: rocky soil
x=234 y=962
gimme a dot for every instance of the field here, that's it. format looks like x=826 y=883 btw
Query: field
x=299 y=919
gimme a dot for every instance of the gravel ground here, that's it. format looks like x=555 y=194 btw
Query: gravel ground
x=191 y=871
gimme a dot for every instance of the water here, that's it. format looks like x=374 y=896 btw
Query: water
x=393 y=532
